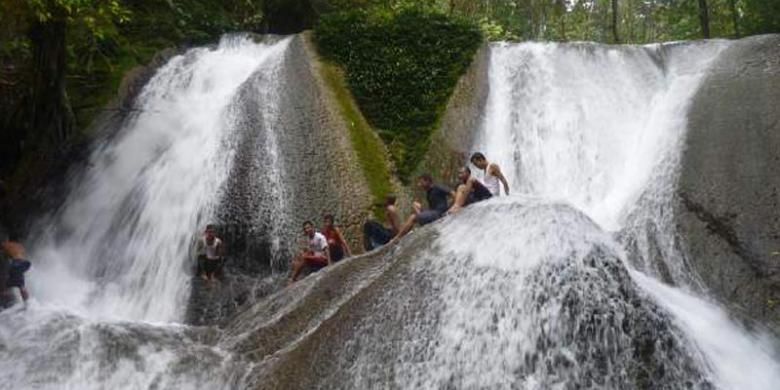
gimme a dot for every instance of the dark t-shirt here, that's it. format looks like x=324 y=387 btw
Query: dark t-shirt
x=16 y=271
x=437 y=198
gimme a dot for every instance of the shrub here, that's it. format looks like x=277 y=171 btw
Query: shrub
x=401 y=68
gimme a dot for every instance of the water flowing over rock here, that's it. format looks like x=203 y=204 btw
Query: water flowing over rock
x=578 y=280
x=728 y=195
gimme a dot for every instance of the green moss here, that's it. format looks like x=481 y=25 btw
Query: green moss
x=401 y=68
x=368 y=148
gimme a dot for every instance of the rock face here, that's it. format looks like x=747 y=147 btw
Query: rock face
x=316 y=165
x=464 y=113
x=728 y=205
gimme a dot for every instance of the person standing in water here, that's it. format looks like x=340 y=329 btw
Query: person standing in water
x=336 y=244
x=491 y=174
x=469 y=191
x=18 y=264
x=315 y=254
x=375 y=234
x=210 y=252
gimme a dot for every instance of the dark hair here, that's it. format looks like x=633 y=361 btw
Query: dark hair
x=466 y=168
x=477 y=156
x=425 y=176
x=307 y=222
x=390 y=200
x=328 y=217
x=211 y=227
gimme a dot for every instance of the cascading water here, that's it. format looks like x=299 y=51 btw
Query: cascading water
x=117 y=258
x=601 y=129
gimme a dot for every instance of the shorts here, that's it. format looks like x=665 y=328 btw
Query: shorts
x=211 y=266
x=316 y=261
x=336 y=252
x=427 y=216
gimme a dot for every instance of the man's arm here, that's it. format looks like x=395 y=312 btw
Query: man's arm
x=221 y=249
x=392 y=218
x=343 y=243
x=495 y=170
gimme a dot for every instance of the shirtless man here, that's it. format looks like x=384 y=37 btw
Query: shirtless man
x=316 y=254
x=469 y=191
x=492 y=174
x=18 y=265
x=375 y=234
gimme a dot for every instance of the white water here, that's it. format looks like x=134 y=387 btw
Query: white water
x=111 y=277
x=600 y=129
x=125 y=231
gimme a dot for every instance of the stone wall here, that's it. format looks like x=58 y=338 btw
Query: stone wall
x=728 y=208
x=451 y=142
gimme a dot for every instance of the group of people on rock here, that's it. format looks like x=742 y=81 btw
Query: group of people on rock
x=469 y=190
x=13 y=265
x=328 y=246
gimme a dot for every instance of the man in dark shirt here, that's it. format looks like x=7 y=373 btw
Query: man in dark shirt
x=438 y=204
x=18 y=265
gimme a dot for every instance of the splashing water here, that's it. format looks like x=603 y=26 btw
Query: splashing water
x=126 y=230
x=598 y=128
x=111 y=276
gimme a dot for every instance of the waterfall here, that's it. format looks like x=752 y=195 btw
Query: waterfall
x=599 y=129
x=111 y=275
x=125 y=232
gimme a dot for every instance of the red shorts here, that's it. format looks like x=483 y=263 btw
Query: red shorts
x=316 y=260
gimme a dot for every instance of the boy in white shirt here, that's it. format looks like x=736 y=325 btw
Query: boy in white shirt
x=316 y=253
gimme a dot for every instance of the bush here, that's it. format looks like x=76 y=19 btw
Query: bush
x=401 y=68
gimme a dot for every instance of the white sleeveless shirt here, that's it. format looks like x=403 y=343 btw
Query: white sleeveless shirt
x=491 y=182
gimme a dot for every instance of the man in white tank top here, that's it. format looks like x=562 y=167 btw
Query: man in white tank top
x=492 y=174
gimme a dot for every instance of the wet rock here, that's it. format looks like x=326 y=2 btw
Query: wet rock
x=728 y=207
x=465 y=111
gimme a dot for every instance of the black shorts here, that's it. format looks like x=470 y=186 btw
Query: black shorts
x=427 y=216
x=211 y=266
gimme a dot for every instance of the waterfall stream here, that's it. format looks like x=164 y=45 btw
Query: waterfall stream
x=574 y=281
x=111 y=276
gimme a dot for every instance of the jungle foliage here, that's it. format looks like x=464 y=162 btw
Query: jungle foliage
x=401 y=67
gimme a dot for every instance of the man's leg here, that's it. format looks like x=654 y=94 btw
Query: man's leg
x=297 y=266
x=460 y=199
x=405 y=228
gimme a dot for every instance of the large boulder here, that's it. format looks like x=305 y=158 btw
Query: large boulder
x=728 y=200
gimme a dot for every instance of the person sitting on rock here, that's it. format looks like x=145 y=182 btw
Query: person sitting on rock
x=470 y=190
x=18 y=264
x=336 y=244
x=210 y=251
x=375 y=234
x=438 y=203
x=491 y=174
x=315 y=254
